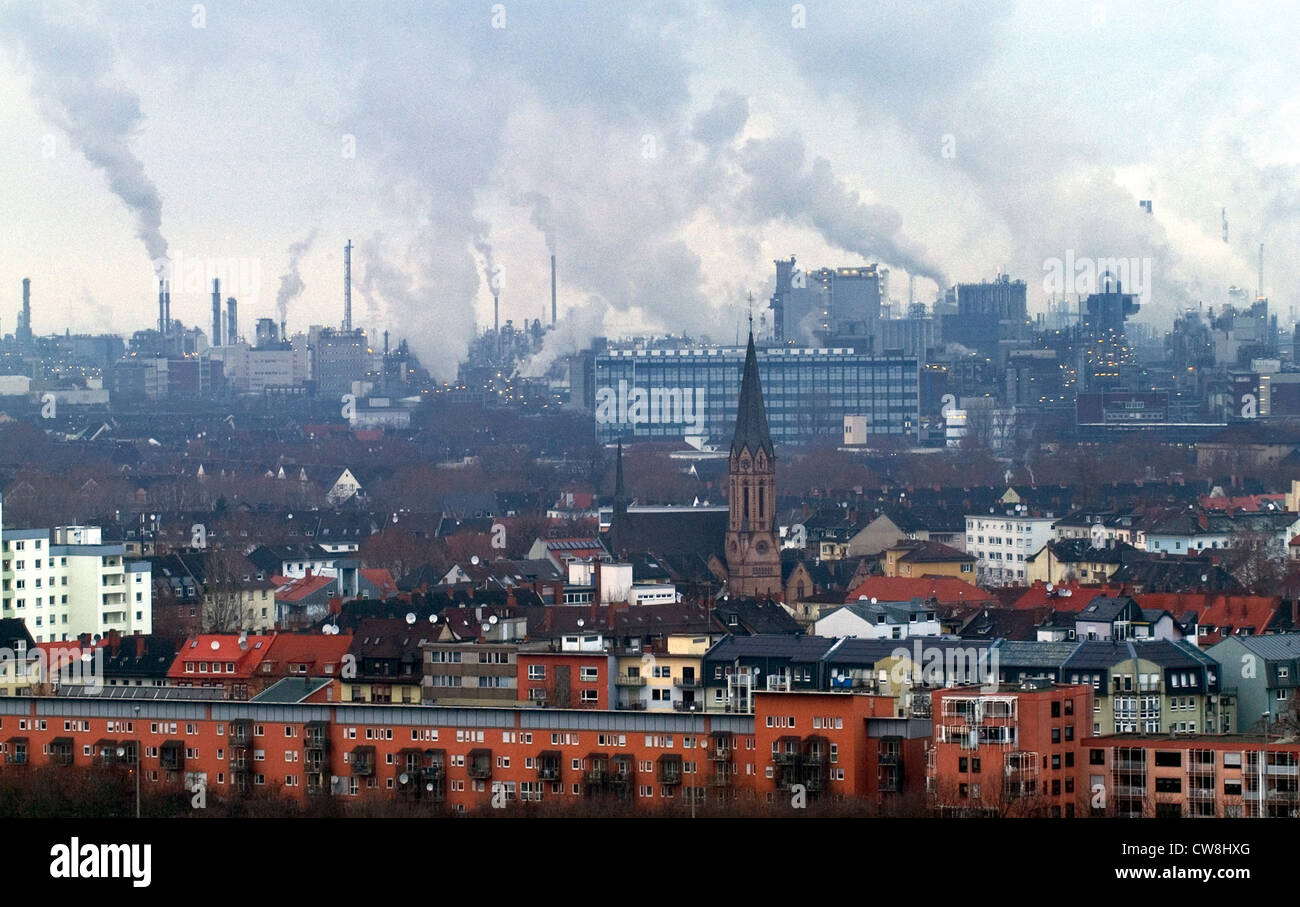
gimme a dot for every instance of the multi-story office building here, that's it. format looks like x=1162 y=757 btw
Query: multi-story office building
x=339 y=358
x=66 y=581
x=1002 y=542
x=679 y=393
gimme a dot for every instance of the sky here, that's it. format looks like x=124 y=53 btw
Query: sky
x=665 y=152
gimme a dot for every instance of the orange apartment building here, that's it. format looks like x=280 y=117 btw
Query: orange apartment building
x=1224 y=776
x=1013 y=751
x=565 y=680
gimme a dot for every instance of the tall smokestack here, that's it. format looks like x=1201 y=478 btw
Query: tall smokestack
x=25 y=334
x=232 y=321
x=162 y=307
x=552 y=291
x=347 y=286
x=216 y=312
x=167 y=308
x=1260 y=294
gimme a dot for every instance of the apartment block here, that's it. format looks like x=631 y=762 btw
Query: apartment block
x=65 y=582
x=1009 y=751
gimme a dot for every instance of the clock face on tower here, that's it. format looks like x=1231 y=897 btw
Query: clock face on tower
x=761 y=547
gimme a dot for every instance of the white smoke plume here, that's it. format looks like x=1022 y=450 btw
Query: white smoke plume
x=291 y=285
x=72 y=67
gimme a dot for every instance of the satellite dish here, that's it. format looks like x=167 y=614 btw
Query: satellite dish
x=215 y=645
x=862 y=598
x=429 y=787
x=410 y=617
x=581 y=623
x=474 y=560
x=486 y=626
x=1049 y=587
x=873 y=600
x=404 y=777
x=493 y=619
x=433 y=618
x=1066 y=592
x=121 y=751
x=1205 y=578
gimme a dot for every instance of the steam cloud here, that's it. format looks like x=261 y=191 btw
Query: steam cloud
x=291 y=285
x=75 y=87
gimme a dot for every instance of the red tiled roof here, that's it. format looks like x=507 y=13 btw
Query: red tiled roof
x=382 y=579
x=1226 y=614
x=906 y=588
x=201 y=649
x=322 y=654
x=1037 y=596
x=294 y=590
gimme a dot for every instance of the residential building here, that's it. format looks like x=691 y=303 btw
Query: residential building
x=1002 y=542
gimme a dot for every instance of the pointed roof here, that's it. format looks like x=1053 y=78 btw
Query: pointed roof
x=751 y=415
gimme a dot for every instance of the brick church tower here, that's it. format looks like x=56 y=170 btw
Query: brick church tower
x=752 y=552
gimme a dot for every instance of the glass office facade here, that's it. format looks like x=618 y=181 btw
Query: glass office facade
x=672 y=394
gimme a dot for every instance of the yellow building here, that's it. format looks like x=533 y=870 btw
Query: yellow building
x=1076 y=560
x=667 y=681
x=917 y=558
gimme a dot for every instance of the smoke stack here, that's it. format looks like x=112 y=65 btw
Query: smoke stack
x=496 y=314
x=25 y=332
x=232 y=321
x=162 y=307
x=216 y=312
x=385 y=343
x=167 y=308
x=347 y=286
x=552 y=291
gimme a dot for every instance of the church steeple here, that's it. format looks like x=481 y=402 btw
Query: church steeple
x=618 y=520
x=753 y=555
x=751 y=416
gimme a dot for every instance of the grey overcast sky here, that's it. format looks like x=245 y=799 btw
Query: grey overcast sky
x=667 y=151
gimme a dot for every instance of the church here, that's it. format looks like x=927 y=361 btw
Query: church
x=737 y=547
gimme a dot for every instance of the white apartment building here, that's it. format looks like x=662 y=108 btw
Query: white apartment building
x=65 y=581
x=1002 y=542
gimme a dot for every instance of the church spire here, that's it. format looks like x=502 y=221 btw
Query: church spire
x=751 y=415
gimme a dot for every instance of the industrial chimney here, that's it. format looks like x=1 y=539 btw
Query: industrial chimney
x=347 y=286
x=552 y=291
x=167 y=308
x=25 y=329
x=232 y=321
x=216 y=312
x=162 y=307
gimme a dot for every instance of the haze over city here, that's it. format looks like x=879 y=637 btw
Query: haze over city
x=666 y=155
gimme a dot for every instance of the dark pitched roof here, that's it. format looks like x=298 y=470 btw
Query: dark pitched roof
x=751 y=418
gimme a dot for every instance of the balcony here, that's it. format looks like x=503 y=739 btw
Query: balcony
x=316 y=736
x=692 y=706
x=104 y=753
x=722 y=777
x=362 y=760
x=241 y=733
x=435 y=764
x=172 y=756
x=627 y=680
x=597 y=768
x=668 y=769
x=478 y=764
x=239 y=762
x=721 y=751
x=548 y=765
x=61 y=751
x=690 y=683
x=624 y=769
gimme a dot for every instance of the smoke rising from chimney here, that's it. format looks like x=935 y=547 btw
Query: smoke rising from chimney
x=291 y=285
x=73 y=80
